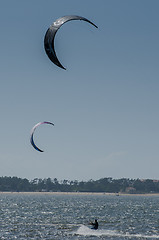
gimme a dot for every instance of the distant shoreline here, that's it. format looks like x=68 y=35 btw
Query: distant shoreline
x=83 y=193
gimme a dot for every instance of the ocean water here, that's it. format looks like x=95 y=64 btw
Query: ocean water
x=67 y=217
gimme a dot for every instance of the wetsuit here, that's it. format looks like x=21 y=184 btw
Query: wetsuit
x=95 y=225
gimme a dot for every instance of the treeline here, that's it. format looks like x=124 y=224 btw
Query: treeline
x=110 y=185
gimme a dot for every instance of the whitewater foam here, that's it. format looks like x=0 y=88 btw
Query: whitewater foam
x=85 y=231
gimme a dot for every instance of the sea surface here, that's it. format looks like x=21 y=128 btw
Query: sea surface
x=67 y=217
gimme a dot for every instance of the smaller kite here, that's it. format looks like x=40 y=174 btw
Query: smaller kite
x=32 y=133
x=50 y=36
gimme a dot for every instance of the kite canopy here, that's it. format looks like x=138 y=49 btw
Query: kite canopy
x=50 y=36
x=32 y=133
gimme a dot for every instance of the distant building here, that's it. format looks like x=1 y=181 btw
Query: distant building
x=130 y=190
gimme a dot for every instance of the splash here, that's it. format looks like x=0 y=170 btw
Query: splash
x=85 y=231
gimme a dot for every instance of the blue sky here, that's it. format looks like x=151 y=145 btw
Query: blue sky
x=104 y=106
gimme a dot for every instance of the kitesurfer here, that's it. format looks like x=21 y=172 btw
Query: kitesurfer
x=94 y=224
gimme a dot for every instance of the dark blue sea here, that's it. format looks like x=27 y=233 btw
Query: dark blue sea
x=67 y=217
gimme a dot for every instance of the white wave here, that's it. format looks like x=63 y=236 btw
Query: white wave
x=85 y=231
